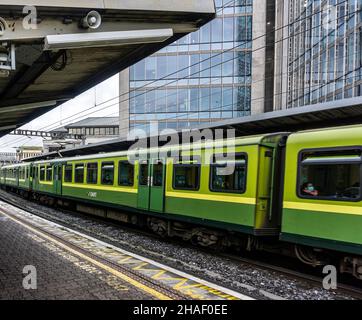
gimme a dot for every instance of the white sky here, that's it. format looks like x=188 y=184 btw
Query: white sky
x=105 y=91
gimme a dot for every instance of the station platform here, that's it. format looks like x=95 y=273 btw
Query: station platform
x=59 y=274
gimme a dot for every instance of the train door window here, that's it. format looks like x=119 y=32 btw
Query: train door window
x=126 y=174
x=42 y=173
x=79 y=173
x=228 y=175
x=186 y=176
x=49 y=173
x=143 y=175
x=68 y=173
x=158 y=174
x=107 y=173
x=36 y=172
x=92 y=173
x=330 y=175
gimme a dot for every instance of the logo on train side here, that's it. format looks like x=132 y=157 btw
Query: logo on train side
x=92 y=194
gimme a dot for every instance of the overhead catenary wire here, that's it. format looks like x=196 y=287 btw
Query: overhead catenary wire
x=168 y=84
x=188 y=67
x=206 y=59
x=200 y=62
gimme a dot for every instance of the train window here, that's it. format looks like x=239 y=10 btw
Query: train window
x=49 y=173
x=68 y=173
x=228 y=175
x=107 y=173
x=92 y=173
x=186 y=176
x=42 y=173
x=158 y=174
x=79 y=173
x=330 y=175
x=143 y=175
x=126 y=174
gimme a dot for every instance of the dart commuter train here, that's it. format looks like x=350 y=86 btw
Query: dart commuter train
x=295 y=193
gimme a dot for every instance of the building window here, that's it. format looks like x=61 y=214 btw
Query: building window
x=96 y=131
x=228 y=175
x=68 y=173
x=126 y=174
x=330 y=175
x=79 y=173
x=107 y=173
x=49 y=175
x=42 y=173
x=186 y=176
x=92 y=173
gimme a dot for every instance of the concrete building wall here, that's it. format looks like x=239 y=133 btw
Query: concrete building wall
x=258 y=64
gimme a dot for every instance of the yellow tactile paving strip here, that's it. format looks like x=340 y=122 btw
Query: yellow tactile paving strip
x=187 y=285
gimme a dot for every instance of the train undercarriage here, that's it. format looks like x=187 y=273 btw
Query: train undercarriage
x=216 y=239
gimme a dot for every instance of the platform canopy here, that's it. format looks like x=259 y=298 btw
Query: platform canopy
x=55 y=50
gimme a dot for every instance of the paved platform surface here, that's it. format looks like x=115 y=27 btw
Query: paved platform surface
x=60 y=275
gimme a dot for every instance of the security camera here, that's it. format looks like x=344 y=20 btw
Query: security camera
x=92 y=20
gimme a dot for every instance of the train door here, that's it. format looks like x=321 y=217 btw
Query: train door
x=30 y=176
x=57 y=178
x=17 y=176
x=151 y=185
x=35 y=184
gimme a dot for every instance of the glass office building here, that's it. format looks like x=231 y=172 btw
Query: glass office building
x=324 y=51
x=208 y=74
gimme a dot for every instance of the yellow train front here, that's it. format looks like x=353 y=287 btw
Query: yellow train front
x=288 y=192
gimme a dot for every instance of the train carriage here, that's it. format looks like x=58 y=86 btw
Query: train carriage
x=171 y=188
x=11 y=176
x=17 y=176
x=322 y=205
x=295 y=193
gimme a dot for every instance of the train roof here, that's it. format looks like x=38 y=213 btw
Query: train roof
x=250 y=140
x=336 y=136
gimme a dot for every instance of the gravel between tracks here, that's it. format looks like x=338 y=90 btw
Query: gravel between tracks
x=248 y=279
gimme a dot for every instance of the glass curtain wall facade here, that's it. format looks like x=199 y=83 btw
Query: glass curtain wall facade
x=208 y=74
x=324 y=52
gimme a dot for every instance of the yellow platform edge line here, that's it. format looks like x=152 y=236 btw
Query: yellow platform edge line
x=116 y=273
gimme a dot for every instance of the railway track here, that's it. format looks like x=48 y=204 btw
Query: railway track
x=155 y=279
x=312 y=279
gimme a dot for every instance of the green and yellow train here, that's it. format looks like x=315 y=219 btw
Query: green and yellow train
x=297 y=193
